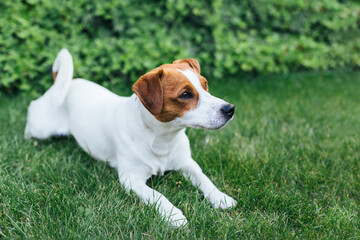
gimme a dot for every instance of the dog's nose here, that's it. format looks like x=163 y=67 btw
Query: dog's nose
x=228 y=110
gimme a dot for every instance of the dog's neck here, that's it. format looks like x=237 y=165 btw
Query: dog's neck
x=164 y=134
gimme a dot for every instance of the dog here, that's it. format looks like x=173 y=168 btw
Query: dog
x=141 y=135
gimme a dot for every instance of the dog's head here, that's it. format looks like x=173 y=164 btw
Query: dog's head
x=177 y=92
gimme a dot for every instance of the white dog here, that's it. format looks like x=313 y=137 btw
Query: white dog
x=141 y=135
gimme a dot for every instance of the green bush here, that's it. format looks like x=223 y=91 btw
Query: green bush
x=116 y=41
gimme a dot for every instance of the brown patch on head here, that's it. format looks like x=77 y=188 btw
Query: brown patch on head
x=174 y=84
x=191 y=62
x=161 y=93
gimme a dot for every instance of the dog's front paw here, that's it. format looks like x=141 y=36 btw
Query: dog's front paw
x=221 y=200
x=177 y=219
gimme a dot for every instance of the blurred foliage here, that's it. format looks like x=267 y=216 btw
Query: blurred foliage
x=116 y=41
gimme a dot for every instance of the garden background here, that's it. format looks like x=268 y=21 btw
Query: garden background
x=116 y=41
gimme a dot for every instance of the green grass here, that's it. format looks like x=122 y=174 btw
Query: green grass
x=291 y=158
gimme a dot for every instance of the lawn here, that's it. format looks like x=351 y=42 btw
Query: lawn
x=290 y=157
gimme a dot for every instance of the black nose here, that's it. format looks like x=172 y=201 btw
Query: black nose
x=228 y=110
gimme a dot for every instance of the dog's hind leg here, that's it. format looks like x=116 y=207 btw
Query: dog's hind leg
x=46 y=115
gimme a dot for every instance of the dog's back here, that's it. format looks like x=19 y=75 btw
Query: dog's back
x=90 y=108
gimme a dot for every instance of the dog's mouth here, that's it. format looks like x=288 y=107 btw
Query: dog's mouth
x=198 y=126
x=208 y=128
x=212 y=125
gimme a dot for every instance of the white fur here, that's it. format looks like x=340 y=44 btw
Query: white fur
x=121 y=131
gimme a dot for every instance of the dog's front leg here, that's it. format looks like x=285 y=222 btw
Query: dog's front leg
x=150 y=196
x=199 y=179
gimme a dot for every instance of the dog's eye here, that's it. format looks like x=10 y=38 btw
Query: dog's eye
x=186 y=95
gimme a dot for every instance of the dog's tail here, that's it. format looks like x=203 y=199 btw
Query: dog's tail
x=62 y=70
x=45 y=114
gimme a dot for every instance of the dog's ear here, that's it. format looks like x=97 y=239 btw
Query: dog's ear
x=193 y=63
x=149 y=90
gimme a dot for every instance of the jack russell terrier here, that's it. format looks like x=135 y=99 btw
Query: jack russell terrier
x=141 y=135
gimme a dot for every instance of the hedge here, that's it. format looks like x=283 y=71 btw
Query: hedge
x=116 y=41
